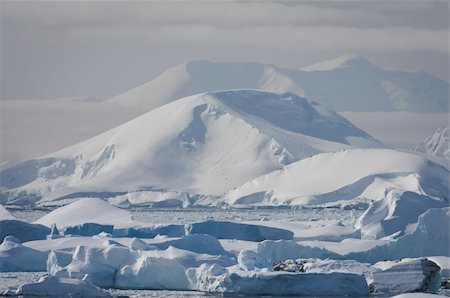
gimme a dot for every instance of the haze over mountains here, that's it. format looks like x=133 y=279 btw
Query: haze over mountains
x=347 y=83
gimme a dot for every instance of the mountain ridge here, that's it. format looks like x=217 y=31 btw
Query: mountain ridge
x=346 y=83
x=208 y=143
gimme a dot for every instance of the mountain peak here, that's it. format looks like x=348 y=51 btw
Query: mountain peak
x=346 y=60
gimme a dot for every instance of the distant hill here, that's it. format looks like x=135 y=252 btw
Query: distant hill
x=202 y=144
x=347 y=83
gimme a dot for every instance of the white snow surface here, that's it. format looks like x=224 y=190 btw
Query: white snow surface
x=50 y=286
x=345 y=175
x=430 y=238
x=205 y=144
x=437 y=144
x=16 y=257
x=406 y=275
x=4 y=214
x=347 y=83
x=216 y=279
x=87 y=210
x=395 y=213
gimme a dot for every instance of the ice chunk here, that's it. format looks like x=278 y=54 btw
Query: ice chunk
x=152 y=273
x=114 y=265
x=22 y=230
x=394 y=212
x=101 y=264
x=444 y=263
x=250 y=260
x=430 y=238
x=200 y=243
x=282 y=250
x=16 y=257
x=408 y=275
x=214 y=279
x=88 y=229
x=238 y=231
x=50 y=286
x=171 y=230
x=138 y=244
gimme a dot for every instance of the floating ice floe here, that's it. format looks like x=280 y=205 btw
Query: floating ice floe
x=407 y=275
x=216 y=279
x=88 y=229
x=238 y=231
x=250 y=260
x=395 y=213
x=16 y=257
x=430 y=238
x=50 y=286
x=169 y=230
x=22 y=230
x=142 y=266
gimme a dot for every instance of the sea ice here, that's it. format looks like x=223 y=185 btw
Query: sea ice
x=407 y=275
x=238 y=231
x=22 y=230
x=395 y=213
x=16 y=257
x=215 y=279
x=50 y=286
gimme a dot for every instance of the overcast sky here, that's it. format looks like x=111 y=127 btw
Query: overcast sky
x=60 y=49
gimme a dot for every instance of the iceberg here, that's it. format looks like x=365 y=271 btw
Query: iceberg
x=395 y=213
x=16 y=257
x=50 y=286
x=407 y=275
x=215 y=279
x=22 y=230
x=88 y=229
x=238 y=231
x=430 y=238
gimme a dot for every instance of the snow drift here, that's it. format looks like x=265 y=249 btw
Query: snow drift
x=362 y=174
x=86 y=210
x=203 y=144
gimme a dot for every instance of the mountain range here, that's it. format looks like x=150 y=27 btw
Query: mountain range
x=346 y=83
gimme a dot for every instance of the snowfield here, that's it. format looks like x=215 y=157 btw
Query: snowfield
x=210 y=143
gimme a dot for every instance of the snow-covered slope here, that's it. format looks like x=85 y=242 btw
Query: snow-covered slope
x=204 y=144
x=345 y=175
x=437 y=144
x=347 y=83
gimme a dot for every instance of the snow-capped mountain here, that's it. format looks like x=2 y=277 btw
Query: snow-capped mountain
x=204 y=144
x=347 y=83
x=437 y=144
x=361 y=174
